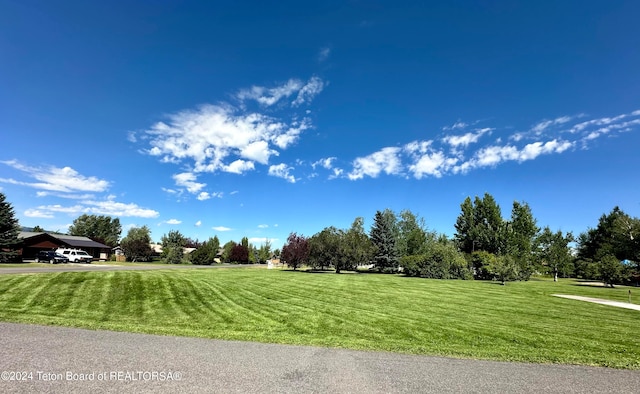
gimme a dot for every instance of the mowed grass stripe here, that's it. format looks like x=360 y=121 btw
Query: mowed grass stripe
x=519 y=322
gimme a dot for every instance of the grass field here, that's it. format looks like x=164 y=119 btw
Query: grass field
x=467 y=319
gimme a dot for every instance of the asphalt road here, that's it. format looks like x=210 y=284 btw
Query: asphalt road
x=124 y=362
x=96 y=266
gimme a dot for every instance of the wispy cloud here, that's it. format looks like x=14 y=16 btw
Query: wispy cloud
x=324 y=54
x=198 y=223
x=65 y=179
x=96 y=207
x=466 y=139
x=263 y=226
x=427 y=158
x=173 y=221
x=221 y=228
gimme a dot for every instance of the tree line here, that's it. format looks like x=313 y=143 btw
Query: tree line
x=485 y=245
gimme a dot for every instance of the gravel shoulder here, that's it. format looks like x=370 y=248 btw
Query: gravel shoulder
x=116 y=362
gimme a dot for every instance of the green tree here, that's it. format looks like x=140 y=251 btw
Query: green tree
x=441 y=260
x=611 y=270
x=8 y=231
x=325 y=249
x=226 y=251
x=99 y=228
x=616 y=234
x=264 y=252
x=520 y=237
x=480 y=226
x=173 y=247
x=412 y=234
x=465 y=227
x=356 y=245
x=383 y=237
x=554 y=252
x=206 y=253
x=136 y=245
x=38 y=229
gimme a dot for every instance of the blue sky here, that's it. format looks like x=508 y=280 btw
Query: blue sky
x=256 y=119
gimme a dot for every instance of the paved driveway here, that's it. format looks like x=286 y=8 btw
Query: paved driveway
x=123 y=362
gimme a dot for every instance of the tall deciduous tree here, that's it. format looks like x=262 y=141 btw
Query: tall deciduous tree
x=383 y=238
x=325 y=249
x=136 y=245
x=357 y=246
x=99 y=228
x=480 y=226
x=8 y=231
x=520 y=237
x=553 y=251
x=296 y=251
x=413 y=236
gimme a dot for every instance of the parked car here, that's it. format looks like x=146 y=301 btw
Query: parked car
x=51 y=257
x=75 y=255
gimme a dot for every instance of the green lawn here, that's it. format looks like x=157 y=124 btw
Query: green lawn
x=468 y=319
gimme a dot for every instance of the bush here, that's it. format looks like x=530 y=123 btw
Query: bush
x=440 y=261
x=174 y=255
x=482 y=262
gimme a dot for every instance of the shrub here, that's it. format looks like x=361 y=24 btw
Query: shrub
x=440 y=261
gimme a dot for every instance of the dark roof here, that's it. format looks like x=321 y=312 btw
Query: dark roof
x=71 y=240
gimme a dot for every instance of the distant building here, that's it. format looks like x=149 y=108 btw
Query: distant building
x=31 y=243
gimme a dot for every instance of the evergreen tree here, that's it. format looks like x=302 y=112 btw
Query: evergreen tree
x=8 y=231
x=465 y=227
x=383 y=238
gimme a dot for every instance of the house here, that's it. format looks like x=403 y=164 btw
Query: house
x=31 y=243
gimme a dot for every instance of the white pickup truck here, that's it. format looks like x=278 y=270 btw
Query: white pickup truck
x=75 y=255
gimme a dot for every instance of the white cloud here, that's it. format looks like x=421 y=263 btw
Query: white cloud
x=434 y=164
x=221 y=228
x=387 y=160
x=466 y=139
x=203 y=196
x=224 y=138
x=282 y=171
x=263 y=226
x=36 y=213
x=494 y=155
x=102 y=207
x=258 y=151
x=198 y=223
x=459 y=125
x=262 y=240
x=239 y=166
x=324 y=163
x=312 y=88
x=65 y=180
x=270 y=96
x=188 y=181
x=173 y=221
